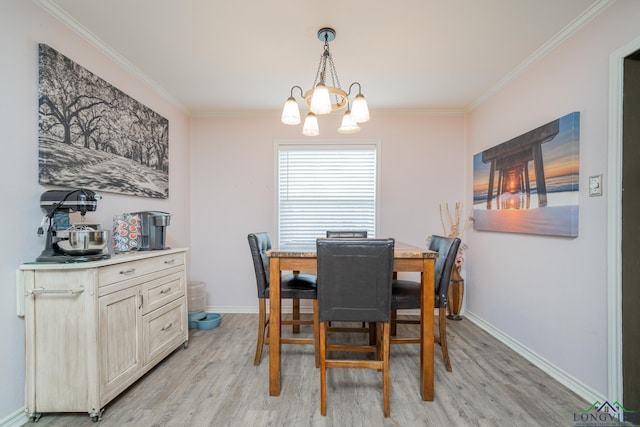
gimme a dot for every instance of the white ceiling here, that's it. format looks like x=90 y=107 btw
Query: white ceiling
x=217 y=57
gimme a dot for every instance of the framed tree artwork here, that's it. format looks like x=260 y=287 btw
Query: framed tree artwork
x=92 y=135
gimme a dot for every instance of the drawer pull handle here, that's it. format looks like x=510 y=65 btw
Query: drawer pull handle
x=41 y=291
x=166 y=328
x=164 y=291
x=170 y=261
x=129 y=271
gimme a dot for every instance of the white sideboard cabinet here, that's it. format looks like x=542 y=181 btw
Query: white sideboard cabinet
x=94 y=328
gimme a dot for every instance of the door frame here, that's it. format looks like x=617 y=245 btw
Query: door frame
x=614 y=221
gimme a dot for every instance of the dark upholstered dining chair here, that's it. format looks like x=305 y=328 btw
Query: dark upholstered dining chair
x=342 y=234
x=351 y=234
x=406 y=293
x=354 y=285
x=294 y=286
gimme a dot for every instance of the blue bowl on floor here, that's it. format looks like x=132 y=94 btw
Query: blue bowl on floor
x=212 y=320
x=195 y=317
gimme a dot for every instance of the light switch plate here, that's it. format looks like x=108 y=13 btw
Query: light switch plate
x=595 y=185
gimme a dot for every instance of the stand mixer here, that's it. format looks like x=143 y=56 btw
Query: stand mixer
x=66 y=242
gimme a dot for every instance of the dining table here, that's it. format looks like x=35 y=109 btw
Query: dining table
x=303 y=257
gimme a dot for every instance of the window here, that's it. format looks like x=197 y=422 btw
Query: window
x=325 y=187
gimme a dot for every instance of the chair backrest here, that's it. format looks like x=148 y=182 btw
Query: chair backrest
x=347 y=234
x=354 y=279
x=447 y=248
x=260 y=243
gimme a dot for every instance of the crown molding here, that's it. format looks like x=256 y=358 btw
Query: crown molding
x=260 y=114
x=541 y=52
x=55 y=11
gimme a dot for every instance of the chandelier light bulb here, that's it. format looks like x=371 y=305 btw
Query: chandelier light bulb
x=348 y=125
x=290 y=112
x=360 y=110
x=320 y=100
x=310 y=127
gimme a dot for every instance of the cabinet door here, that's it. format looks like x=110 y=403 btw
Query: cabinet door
x=120 y=340
x=58 y=333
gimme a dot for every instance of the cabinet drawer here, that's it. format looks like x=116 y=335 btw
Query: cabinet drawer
x=163 y=290
x=164 y=329
x=119 y=272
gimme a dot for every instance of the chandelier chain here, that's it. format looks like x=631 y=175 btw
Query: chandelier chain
x=334 y=77
x=322 y=65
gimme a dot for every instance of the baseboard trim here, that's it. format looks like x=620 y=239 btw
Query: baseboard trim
x=232 y=309
x=285 y=309
x=564 y=378
x=15 y=419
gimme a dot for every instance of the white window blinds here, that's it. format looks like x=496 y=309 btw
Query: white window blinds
x=325 y=187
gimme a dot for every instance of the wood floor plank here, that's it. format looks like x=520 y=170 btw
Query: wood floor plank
x=214 y=383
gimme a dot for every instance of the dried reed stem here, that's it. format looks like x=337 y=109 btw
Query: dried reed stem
x=452 y=226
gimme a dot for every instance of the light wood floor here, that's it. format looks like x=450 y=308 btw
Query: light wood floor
x=214 y=383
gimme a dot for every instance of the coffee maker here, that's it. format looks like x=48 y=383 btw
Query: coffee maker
x=66 y=242
x=153 y=230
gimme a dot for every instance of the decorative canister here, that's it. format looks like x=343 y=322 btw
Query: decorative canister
x=126 y=230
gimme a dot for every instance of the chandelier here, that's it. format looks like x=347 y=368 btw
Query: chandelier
x=323 y=99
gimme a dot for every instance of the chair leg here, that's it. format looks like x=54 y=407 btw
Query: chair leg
x=383 y=343
x=442 y=320
x=379 y=340
x=394 y=325
x=316 y=333
x=323 y=369
x=372 y=333
x=386 y=337
x=296 y=311
x=262 y=324
x=296 y=315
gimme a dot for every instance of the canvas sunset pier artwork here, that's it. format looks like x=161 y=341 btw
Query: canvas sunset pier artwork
x=530 y=184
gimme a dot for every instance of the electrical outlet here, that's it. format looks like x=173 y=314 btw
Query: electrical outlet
x=595 y=185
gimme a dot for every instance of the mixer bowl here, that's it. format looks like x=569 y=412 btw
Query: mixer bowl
x=84 y=242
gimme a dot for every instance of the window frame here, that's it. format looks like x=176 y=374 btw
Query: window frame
x=325 y=144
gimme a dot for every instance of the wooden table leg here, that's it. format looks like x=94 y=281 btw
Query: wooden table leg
x=274 y=327
x=426 y=330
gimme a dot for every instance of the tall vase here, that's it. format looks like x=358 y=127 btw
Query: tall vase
x=456 y=294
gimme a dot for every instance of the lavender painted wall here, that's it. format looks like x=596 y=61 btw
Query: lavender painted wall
x=233 y=165
x=549 y=293
x=22 y=26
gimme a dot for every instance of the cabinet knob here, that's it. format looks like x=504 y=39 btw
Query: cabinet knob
x=166 y=328
x=129 y=271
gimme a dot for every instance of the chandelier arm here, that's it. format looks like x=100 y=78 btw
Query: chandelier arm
x=359 y=88
x=299 y=88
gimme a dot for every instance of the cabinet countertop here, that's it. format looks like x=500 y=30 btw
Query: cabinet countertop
x=115 y=259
